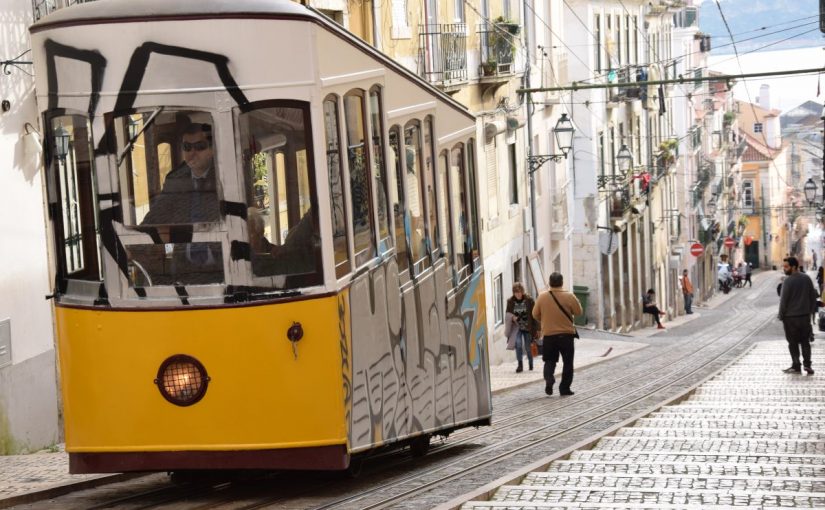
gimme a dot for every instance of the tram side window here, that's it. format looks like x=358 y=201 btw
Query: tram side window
x=169 y=184
x=363 y=229
x=283 y=230
x=72 y=189
x=379 y=168
x=414 y=198
x=397 y=200
x=429 y=185
x=443 y=208
x=461 y=231
x=472 y=216
x=336 y=187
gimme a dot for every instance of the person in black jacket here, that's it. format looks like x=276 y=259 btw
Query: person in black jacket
x=797 y=301
x=520 y=311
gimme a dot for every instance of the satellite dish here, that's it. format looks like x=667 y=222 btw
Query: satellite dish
x=608 y=242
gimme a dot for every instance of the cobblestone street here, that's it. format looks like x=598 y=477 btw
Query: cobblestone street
x=760 y=433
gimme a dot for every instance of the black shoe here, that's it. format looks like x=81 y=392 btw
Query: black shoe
x=519 y=369
x=793 y=370
x=566 y=393
x=531 y=366
x=809 y=370
x=548 y=389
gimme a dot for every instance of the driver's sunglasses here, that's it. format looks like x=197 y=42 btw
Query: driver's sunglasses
x=198 y=146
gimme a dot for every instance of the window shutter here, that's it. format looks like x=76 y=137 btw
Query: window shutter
x=492 y=179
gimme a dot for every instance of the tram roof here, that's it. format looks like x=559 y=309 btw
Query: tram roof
x=113 y=11
x=100 y=10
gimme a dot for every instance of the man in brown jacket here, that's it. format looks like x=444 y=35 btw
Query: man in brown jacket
x=555 y=310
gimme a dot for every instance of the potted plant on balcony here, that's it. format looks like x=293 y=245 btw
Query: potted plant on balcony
x=489 y=67
x=509 y=26
x=667 y=150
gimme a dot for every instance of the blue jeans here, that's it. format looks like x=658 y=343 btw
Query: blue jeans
x=689 y=303
x=523 y=344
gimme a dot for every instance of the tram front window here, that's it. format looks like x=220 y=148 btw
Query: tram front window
x=169 y=186
x=283 y=230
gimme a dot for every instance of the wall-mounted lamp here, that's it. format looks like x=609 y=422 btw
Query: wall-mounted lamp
x=564 y=140
x=61 y=141
x=31 y=141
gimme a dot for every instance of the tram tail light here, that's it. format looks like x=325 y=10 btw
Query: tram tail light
x=182 y=380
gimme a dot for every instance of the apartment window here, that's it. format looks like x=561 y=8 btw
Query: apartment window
x=511 y=153
x=618 y=38
x=612 y=151
x=747 y=194
x=517 y=272
x=635 y=39
x=400 y=23
x=459 y=11
x=627 y=39
x=597 y=29
x=498 y=301
x=601 y=153
x=757 y=127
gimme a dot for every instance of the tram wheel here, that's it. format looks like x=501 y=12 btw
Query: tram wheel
x=420 y=445
x=356 y=465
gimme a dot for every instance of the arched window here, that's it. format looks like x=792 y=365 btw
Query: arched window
x=379 y=168
x=363 y=227
x=414 y=196
x=397 y=199
x=336 y=187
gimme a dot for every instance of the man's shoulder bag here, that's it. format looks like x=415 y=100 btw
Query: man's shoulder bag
x=569 y=317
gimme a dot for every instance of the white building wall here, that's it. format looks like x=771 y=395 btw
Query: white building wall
x=28 y=388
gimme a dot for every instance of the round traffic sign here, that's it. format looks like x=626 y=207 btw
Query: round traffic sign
x=729 y=242
x=696 y=249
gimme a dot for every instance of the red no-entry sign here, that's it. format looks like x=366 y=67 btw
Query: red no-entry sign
x=696 y=249
x=729 y=242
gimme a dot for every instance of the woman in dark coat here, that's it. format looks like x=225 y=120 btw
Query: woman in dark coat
x=649 y=306
x=521 y=324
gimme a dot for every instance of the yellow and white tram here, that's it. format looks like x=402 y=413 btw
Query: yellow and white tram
x=265 y=239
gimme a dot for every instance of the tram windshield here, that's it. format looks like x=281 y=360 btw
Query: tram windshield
x=169 y=188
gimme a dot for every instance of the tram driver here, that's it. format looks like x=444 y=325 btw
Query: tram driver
x=189 y=194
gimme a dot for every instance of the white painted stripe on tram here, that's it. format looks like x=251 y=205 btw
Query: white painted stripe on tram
x=369 y=74
x=461 y=133
x=409 y=110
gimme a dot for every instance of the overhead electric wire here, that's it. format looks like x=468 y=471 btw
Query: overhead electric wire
x=750 y=100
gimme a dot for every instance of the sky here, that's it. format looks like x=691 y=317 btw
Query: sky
x=786 y=92
x=787 y=23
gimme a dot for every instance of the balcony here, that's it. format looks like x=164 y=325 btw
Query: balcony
x=498 y=50
x=443 y=53
x=632 y=80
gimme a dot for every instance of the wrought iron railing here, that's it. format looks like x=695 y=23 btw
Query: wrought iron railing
x=498 y=48
x=443 y=52
x=41 y=8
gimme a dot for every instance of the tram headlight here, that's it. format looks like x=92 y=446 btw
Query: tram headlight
x=182 y=380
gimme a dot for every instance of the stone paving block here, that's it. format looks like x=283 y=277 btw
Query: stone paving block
x=710 y=432
x=683 y=468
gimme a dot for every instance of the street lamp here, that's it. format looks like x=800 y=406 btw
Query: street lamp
x=625 y=161
x=564 y=140
x=810 y=191
x=61 y=141
x=564 y=134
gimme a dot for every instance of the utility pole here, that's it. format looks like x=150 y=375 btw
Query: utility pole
x=528 y=100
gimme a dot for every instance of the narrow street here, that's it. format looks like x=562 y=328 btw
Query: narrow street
x=528 y=426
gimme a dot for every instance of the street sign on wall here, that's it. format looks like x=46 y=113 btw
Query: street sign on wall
x=696 y=249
